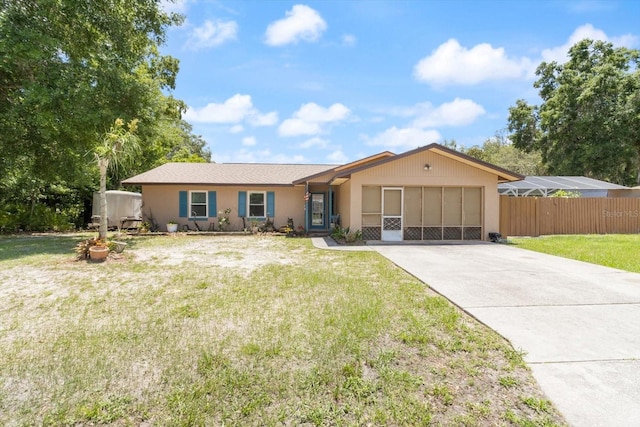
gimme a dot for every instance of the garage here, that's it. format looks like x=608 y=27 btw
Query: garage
x=422 y=213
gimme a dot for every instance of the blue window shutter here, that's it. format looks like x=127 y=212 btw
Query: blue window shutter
x=242 y=203
x=271 y=204
x=183 y=202
x=213 y=209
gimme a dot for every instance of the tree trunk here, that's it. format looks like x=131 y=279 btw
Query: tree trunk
x=102 y=232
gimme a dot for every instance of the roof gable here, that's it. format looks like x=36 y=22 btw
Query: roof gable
x=502 y=174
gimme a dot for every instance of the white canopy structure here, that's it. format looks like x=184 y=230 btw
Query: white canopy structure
x=545 y=186
x=122 y=207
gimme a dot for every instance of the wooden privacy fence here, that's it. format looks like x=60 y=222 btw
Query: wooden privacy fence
x=536 y=216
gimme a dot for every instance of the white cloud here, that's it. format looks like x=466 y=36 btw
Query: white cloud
x=315 y=142
x=459 y=112
x=338 y=157
x=295 y=127
x=268 y=119
x=311 y=117
x=249 y=141
x=451 y=63
x=586 y=31
x=301 y=23
x=405 y=138
x=236 y=129
x=349 y=40
x=212 y=34
x=234 y=110
x=312 y=112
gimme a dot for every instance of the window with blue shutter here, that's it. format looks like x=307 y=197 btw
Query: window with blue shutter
x=183 y=203
x=198 y=204
x=242 y=203
x=213 y=208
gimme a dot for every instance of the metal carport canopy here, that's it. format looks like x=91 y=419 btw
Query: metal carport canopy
x=546 y=185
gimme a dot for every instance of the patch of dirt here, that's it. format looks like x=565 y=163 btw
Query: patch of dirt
x=222 y=251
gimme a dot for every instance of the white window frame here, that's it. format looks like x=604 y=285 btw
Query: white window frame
x=264 y=204
x=206 y=204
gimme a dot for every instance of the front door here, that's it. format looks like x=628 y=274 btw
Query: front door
x=318 y=211
x=391 y=214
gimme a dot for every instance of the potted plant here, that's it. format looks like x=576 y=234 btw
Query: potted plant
x=144 y=227
x=99 y=251
x=172 y=226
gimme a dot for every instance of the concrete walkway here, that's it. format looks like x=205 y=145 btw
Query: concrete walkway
x=578 y=323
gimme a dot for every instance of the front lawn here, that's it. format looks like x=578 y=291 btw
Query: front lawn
x=612 y=250
x=253 y=330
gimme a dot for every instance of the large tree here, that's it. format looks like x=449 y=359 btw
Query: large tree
x=500 y=151
x=68 y=69
x=589 y=120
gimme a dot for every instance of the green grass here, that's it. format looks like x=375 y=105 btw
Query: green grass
x=611 y=250
x=243 y=331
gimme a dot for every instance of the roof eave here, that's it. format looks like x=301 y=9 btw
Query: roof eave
x=217 y=184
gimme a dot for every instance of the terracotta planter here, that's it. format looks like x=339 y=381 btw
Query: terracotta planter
x=98 y=253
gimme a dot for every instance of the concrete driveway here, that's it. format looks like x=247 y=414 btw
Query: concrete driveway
x=578 y=323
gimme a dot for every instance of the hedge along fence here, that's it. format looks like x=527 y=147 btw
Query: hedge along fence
x=533 y=216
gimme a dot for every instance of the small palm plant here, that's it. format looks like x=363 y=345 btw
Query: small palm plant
x=118 y=147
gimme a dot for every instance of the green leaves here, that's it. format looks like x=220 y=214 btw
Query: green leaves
x=68 y=69
x=589 y=120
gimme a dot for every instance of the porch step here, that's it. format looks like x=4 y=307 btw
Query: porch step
x=320 y=233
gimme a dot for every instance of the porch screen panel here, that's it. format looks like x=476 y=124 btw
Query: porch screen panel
x=472 y=207
x=432 y=206
x=371 y=200
x=413 y=206
x=392 y=202
x=371 y=212
x=452 y=211
x=374 y=220
x=412 y=212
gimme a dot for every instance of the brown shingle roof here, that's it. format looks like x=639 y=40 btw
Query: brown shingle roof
x=226 y=174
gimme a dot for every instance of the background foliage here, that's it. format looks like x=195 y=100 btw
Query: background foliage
x=589 y=120
x=68 y=69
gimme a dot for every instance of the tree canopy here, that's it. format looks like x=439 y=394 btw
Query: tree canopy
x=589 y=120
x=68 y=70
x=500 y=151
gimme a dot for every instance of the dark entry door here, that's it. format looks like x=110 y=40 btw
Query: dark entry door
x=318 y=210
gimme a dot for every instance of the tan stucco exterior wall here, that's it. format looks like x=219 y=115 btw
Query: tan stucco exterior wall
x=162 y=201
x=344 y=203
x=410 y=171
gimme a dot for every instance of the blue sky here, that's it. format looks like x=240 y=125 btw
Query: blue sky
x=333 y=81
